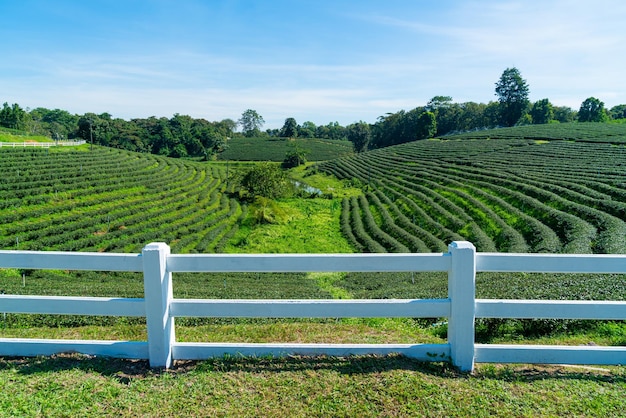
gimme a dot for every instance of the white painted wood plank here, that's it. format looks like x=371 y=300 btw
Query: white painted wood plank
x=70 y=261
x=556 y=309
x=23 y=347
x=307 y=262
x=312 y=308
x=158 y=295
x=71 y=305
x=551 y=263
x=201 y=351
x=462 y=294
x=549 y=354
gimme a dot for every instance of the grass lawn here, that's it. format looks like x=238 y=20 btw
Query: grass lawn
x=311 y=226
x=368 y=386
x=9 y=137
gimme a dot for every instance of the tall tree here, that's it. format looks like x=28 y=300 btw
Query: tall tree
x=13 y=117
x=359 y=134
x=251 y=123
x=307 y=130
x=426 y=125
x=542 y=112
x=447 y=114
x=592 y=110
x=512 y=92
x=290 y=128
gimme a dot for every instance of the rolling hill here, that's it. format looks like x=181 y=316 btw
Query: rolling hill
x=550 y=188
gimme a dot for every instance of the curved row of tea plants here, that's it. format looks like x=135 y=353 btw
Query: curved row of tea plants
x=112 y=200
x=575 y=131
x=275 y=149
x=512 y=195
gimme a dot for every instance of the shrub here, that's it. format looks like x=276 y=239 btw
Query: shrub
x=266 y=180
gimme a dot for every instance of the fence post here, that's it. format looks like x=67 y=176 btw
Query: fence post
x=158 y=294
x=462 y=295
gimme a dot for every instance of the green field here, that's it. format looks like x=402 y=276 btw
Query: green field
x=548 y=189
x=274 y=149
x=506 y=190
x=112 y=200
x=10 y=135
x=612 y=133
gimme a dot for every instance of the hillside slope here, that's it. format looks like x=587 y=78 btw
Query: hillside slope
x=275 y=149
x=111 y=200
x=515 y=190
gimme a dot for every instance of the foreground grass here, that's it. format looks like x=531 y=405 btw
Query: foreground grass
x=71 y=385
x=356 y=331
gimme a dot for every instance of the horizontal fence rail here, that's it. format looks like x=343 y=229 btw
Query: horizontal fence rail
x=305 y=263
x=461 y=308
x=247 y=308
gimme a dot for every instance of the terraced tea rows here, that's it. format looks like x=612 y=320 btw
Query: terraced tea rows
x=111 y=200
x=614 y=133
x=275 y=149
x=515 y=195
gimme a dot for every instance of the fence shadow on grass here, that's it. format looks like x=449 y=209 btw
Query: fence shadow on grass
x=127 y=370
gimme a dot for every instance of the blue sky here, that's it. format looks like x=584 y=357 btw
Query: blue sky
x=318 y=61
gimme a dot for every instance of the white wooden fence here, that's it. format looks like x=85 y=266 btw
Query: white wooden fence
x=36 y=144
x=461 y=307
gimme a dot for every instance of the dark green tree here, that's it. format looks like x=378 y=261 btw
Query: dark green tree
x=564 y=114
x=289 y=129
x=91 y=128
x=512 y=92
x=542 y=112
x=618 y=112
x=438 y=102
x=359 y=134
x=295 y=156
x=592 y=110
x=307 y=130
x=447 y=114
x=426 y=125
x=13 y=117
x=225 y=127
x=251 y=123
x=59 y=124
x=332 y=130
x=472 y=115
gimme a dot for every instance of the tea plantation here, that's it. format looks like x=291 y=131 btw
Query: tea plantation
x=111 y=200
x=522 y=189
x=509 y=190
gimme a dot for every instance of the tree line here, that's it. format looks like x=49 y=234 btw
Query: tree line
x=441 y=116
x=184 y=136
